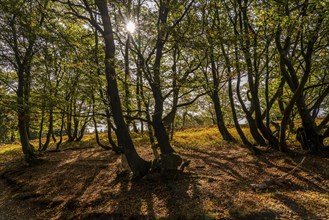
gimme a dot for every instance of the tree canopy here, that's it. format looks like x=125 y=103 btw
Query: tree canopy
x=71 y=66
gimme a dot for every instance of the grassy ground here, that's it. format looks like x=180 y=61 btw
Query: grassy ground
x=81 y=182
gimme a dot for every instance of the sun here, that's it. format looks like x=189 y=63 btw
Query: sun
x=130 y=27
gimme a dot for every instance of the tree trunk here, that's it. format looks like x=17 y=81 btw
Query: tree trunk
x=150 y=133
x=251 y=122
x=158 y=126
x=23 y=118
x=139 y=64
x=159 y=129
x=138 y=166
x=126 y=84
x=109 y=130
x=41 y=125
x=95 y=126
x=81 y=132
x=215 y=99
x=231 y=98
x=53 y=136
x=220 y=120
x=50 y=129
x=61 y=132
x=245 y=141
x=309 y=125
x=69 y=123
x=297 y=87
x=97 y=136
x=253 y=72
x=76 y=121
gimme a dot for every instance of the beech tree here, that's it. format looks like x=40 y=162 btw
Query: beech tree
x=21 y=22
x=69 y=65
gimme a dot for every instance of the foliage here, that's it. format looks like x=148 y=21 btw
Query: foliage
x=184 y=62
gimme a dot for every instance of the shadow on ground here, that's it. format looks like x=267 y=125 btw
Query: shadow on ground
x=83 y=184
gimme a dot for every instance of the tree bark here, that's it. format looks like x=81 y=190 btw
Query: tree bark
x=253 y=84
x=61 y=132
x=138 y=166
x=50 y=129
x=251 y=122
x=23 y=118
x=158 y=126
x=297 y=87
x=95 y=126
x=41 y=124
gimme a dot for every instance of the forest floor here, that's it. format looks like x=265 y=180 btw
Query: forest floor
x=81 y=182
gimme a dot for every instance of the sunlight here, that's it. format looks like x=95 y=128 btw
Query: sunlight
x=130 y=27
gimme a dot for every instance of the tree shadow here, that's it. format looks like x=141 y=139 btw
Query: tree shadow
x=267 y=214
x=296 y=175
x=302 y=180
x=299 y=209
x=156 y=196
x=79 y=184
x=56 y=186
x=223 y=163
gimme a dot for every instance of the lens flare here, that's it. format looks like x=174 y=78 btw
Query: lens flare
x=130 y=26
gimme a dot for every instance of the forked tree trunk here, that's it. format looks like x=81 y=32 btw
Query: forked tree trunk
x=297 y=86
x=231 y=98
x=251 y=122
x=158 y=126
x=82 y=130
x=253 y=78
